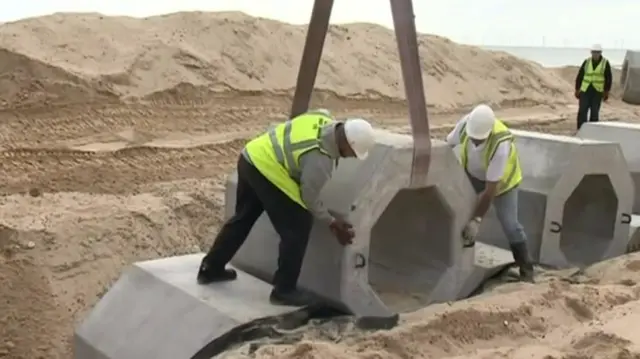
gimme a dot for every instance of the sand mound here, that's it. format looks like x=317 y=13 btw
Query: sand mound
x=552 y=320
x=161 y=56
x=27 y=81
x=61 y=252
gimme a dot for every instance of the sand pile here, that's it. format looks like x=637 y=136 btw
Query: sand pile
x=186 y=54
x=61 y=252
x=591 y=318
x=93 y=212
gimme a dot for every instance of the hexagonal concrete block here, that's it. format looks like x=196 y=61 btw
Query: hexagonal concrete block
x=407 y=252
x=575 y=200
x=627 y=135
x=156 y=310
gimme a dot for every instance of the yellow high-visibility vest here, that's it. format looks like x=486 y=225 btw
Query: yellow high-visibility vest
x=276 y=153
x=593 y=76
x=500 y=133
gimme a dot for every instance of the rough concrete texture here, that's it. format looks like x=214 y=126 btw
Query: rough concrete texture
x=407 y=252
x=634 y=235
x=156 y=310
x=574 y=202
x=628 y=136
x=630 y=78
x=488 y=261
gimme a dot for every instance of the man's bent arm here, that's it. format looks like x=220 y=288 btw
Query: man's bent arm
x=453 y=138
x=495 y=171
x=316 y=169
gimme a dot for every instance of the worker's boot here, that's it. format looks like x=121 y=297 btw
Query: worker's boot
x=293 y=298
x=208 y=274
x=523 y=261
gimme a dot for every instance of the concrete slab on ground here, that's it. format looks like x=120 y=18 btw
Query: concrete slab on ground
x=156 y=310
x=489 y=260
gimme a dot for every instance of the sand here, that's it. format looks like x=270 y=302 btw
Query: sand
x=116 y=135
x=561 y=317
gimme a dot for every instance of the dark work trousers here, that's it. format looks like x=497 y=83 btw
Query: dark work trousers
x=291 y=221
x=590 y=102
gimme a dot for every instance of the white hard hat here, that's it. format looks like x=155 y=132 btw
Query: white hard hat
x=480 y=122
x=359 y=135
x=596 y=47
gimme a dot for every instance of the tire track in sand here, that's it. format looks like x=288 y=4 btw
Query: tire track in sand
x=124 y=170
x=28 y=127
x=120 y=171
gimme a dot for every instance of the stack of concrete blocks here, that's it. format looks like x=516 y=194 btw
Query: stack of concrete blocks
x=407 y=252
x=627 y=135
x=630 y=78
x=574 y=201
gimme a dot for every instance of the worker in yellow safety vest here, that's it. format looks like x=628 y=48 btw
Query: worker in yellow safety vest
x=489 y=156
x=282 y=173
x=593 y=84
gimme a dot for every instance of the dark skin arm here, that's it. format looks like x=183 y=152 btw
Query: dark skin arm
x=608 y=78
x=485 y=198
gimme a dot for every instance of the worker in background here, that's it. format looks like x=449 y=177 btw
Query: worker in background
x=489 y=156
x=282 y=173
x=593 y=84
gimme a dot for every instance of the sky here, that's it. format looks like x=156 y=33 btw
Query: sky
x=561 y=23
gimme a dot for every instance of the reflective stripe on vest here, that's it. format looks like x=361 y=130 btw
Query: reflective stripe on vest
x=285 y=154
x=276 y=152
x=592 y=76
x=500 y=133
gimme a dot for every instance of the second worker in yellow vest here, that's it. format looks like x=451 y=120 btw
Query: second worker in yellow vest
x=282 y=173
x=490 y=158
x=593 y=84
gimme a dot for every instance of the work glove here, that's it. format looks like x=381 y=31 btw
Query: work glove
x=343 y=231
x=470 y=232
x=605 y=96
x=576 y=93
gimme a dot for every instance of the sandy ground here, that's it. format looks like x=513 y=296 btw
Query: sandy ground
x=116 y=135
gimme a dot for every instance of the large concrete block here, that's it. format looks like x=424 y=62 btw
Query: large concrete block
x=488 y=261
x=407 y=252
x=630 y=78
x=574 y=202
x=628 y=136
x=156 y=310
